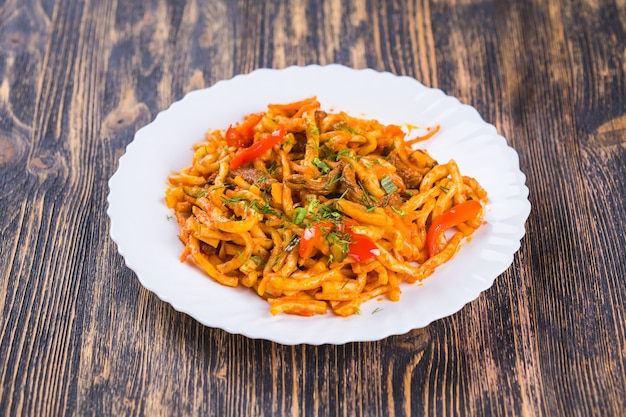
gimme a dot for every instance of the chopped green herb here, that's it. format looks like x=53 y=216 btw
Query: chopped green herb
x=338 y=245
x=325 y=211
x=399 y=211
x=313 y=203
x=343 y=126
x=235 y=200
x=272 y=168
x=367 y=198
x=344 y=152
x=327 y=152
x=376 y=310
x=329 y=213
x=258 y=260
x=298 y=215
x=265 y=209
x=444 y=189
x=388 y=185
x=170 y=217
x=278 y=259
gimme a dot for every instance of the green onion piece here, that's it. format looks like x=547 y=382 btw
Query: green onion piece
x=388 y=185
x=321 y=165
x=298 y=215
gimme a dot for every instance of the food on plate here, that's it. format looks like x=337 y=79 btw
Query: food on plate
x=319 y=211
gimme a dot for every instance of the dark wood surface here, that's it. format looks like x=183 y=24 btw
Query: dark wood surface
x=80 y=336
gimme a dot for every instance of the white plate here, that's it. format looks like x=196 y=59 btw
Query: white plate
x=148 y=240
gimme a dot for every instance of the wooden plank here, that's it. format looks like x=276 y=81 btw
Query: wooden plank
x=80 y=336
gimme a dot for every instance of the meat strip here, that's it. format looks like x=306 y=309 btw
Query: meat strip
x=325 y=185
x=252 y=176
x=349 y=185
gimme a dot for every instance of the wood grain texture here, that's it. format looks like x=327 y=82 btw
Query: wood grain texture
x=80 y=336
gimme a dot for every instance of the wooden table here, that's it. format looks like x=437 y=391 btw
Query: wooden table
x=80 y=336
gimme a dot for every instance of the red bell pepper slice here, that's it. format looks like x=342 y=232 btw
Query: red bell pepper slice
x=311 y=236
x=242 y=136
x=246 y=155
x=361 y=247
x=456 y=215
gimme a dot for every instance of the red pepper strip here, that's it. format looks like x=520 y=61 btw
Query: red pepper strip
x=309 y=239
x=242 y=135
x=244 y=156
x=362 y=248
x=456 y=215
x=311 y=236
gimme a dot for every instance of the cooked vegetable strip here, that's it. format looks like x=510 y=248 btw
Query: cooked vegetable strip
x=318 y=211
